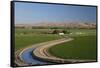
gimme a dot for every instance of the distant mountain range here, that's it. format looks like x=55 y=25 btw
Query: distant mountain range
x=59 y=24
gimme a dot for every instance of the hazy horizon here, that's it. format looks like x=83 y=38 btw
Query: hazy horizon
x=32 y=13
x=37 y=23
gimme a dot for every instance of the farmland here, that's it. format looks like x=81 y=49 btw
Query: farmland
x=56 y=35
x=26 y=37
x=82 y=47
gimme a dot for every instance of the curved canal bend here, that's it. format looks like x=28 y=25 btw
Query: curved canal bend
x=38 y=54
x=25 y=57
x=28 y=58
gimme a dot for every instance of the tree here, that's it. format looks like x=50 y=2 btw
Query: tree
x=55 y=32
x=65 y=32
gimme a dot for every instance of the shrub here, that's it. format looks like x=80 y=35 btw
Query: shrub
x=55 y=32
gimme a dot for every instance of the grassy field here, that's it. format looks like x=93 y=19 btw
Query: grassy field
x=82 y=47
x=31 y=37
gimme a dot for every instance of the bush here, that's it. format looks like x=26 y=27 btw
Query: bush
x=65 y=32
x=55 y=32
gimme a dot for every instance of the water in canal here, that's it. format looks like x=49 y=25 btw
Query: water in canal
x=29 y=59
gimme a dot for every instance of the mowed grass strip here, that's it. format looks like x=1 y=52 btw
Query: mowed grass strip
x=82 y=47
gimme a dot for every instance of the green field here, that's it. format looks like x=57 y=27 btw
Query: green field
x=82 y=47
x=31 y=37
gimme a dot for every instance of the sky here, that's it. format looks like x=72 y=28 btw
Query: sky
x=29 y=13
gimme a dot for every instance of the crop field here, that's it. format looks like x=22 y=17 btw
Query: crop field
x=27 y=37
x=82 y=47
